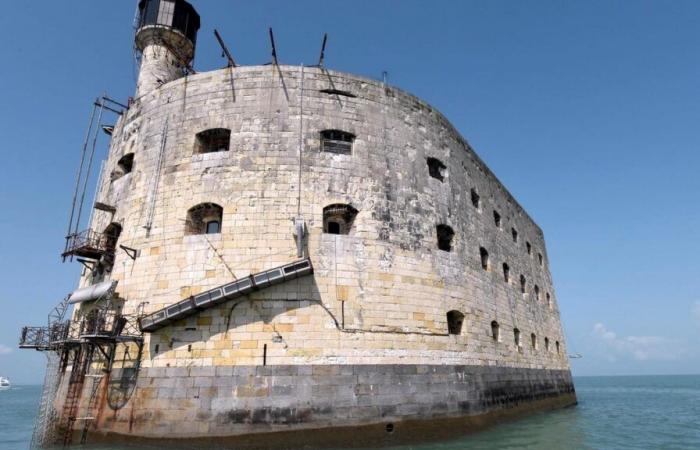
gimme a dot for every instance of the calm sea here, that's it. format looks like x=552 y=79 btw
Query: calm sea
x=646 y=412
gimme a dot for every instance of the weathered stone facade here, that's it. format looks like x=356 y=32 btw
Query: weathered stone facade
x=365 y=339
x=379 y=296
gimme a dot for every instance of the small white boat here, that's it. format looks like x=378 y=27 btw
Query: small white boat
x=4 y=383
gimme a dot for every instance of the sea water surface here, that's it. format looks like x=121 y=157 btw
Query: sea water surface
x=638 y=412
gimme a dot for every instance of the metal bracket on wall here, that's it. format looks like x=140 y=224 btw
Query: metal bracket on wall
x=131 y=252
x=89 y=265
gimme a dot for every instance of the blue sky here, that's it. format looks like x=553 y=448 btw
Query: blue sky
x=587 y=111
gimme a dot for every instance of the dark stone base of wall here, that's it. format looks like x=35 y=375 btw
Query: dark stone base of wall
x=339 y=405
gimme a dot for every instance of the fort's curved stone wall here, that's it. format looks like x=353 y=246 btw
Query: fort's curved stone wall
x=379 y=295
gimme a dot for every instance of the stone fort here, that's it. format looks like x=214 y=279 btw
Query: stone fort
x=277 y=248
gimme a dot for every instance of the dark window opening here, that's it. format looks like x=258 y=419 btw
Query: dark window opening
x=537 y=292
x=157 y=347
x=495 y=331
x=516 y=337
x=546 y=344
x=529 y=248
x=338 y=92
x=111 y=236
x=436 y=168
x=497 y=219
x=556 y=344
x=204 y=218
x=539 y=258
x=444 y=237
x=454 y=322
x=475 y=199
x=213 y=227
x=336 y=141
x=549 y=300
x=533 y=341
x=124 y=166
x=523 y=283
x=212 y=140
x=333 y=227
x=338 y=218
x=506 y=273
x=484 y=258
x=514 y=232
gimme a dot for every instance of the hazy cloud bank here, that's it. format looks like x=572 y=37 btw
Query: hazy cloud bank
x=640 y=348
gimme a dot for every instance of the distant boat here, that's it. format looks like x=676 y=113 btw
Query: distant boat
x=4 y=383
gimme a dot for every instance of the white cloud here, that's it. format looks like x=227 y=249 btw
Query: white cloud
x=4 y=349
x=641 y=348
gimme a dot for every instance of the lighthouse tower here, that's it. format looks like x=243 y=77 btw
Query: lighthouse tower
x=166 y=37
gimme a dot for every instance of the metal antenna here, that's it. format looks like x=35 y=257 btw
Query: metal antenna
x=274 y=50
x=224 y=49
x=323 y=50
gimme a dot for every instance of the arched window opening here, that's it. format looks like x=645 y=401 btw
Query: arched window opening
x=523 y=284
x=338 y=218
x=537 y=293
x=546 y=344
x=444 y=237
x=484 y=258
x=205 y=218
x=533 y=341
x=514 y=233
x=111 y=235
x=496 y=219
x=212 y=140
x=516 y=338
x=436 y=168
x=475 y=199
x=549 y=300
x=556 y=344
x=337 y=141
x=495 y=331
x=528 y=246
x=124 y=166
x=506 y=273
x=454 y=322
x=539 y=258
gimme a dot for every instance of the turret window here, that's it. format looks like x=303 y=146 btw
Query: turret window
x=336 y=141
x=166 y=12
x=338 y=218
x=445 y=234
x=436 y=168
x=454 y=322
x=212 y=140
x=204 y=218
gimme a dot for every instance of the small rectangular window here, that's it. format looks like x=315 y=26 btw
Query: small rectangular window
x=514 y=232
x=496 y=218
x=336 y=141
